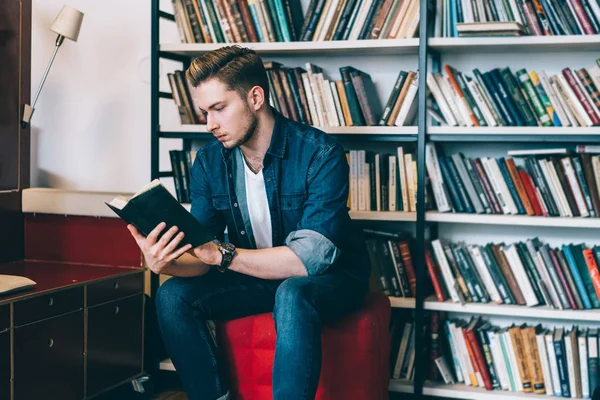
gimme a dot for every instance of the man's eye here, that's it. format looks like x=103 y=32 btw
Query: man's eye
x=218 y=108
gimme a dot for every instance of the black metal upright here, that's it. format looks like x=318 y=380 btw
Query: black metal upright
x=154 y=110
x=421 y=358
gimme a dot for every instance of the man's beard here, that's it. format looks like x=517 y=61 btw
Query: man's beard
x=249 y=131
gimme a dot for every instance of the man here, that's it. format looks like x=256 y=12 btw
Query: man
x=281 y=189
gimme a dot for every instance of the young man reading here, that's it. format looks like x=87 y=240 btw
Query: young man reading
x=281 y=189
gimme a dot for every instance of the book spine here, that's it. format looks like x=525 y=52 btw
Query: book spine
x=533 y=96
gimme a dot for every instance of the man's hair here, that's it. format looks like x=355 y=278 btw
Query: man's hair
x=239 y=68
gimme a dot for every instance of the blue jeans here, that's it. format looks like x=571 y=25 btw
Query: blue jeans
x=300 y=305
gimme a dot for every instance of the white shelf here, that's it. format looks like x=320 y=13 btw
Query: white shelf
x=513 y=310
x=401 y=386
x=520 y=220
x=334 y=130
x=69 y=202
x=517 y=44
x=353 y=47
x=166 y=365
x=402 y=302
x=383 y=216
x=461 y=391
x=512 y=130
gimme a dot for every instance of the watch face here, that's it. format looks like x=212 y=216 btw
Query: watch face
x=228 y=247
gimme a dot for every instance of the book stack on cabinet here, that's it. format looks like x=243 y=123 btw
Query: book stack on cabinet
x=503 y=127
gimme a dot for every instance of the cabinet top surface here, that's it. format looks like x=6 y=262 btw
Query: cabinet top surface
x=52 y=276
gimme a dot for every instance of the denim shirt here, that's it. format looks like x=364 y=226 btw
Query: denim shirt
x=306 y=181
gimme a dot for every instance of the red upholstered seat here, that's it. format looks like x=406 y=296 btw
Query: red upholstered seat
x=355 y=354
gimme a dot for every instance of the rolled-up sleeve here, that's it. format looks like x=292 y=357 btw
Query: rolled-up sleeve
x=316 y=241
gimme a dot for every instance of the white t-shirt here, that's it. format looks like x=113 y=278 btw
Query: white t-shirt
x=258 y=208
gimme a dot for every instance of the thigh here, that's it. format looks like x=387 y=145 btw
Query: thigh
x=222 y=295
x=332 y=295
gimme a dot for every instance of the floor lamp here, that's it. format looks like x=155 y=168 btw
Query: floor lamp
x=66 y=25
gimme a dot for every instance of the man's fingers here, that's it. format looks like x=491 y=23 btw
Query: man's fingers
x=179 y=252
x=136 y=234
x=173 y=243
x=166 y=237
x=155 y=232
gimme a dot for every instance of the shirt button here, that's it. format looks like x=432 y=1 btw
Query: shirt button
x=243 y=232
x=230 y=175
x=235 y=204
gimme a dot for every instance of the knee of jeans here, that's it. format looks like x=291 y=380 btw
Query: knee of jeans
x=168 y=299
x=292 y=295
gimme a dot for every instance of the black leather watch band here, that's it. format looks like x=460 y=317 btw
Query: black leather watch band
x=228 y=252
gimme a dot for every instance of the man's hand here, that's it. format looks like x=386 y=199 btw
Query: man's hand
x=159 y=254
x=208 y=253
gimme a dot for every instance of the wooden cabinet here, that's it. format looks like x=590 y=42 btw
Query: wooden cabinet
x=48 y=358
x=114 y=328
x=63 y=347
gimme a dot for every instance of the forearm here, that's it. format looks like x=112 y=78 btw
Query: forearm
x=271 y=263
x=186 y=266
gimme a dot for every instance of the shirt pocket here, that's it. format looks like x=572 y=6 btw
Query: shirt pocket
x=292 y=209
x=292 y=201
x=221 y=202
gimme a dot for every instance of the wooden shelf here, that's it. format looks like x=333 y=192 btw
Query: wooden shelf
x=520 y=220
x=352 y=47
x=402 y=302
x=544 y=312
x=514 y=134
x=538 y=44
x=400 y=133
x=461 y=391
x=401 y=386
x=383 y=216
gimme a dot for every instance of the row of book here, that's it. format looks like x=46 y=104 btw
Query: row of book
x=531 y=359
x=382 y=182
x=245 y=21
x=237 y=21
x=181 y=165
x=527 y=273
x=500 y=98
x=307 y=96
x=189 y=113
x=552 y=182
x=402 y=349
x=391 y=262
x=516 y=17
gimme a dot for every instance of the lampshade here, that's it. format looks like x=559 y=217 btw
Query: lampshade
x=68 y=23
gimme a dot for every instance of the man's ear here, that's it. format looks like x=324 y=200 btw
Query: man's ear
x=256 y=98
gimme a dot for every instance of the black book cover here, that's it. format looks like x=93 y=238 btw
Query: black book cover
x=153 y=205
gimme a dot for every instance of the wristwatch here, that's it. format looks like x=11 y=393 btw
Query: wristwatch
x=228 y=251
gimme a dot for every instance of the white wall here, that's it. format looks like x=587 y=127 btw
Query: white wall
x=91 y=126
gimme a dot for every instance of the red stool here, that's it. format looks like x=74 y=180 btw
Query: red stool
x=355 y=363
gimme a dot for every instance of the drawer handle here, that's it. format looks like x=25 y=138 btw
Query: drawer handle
x=116 y=310
x=116 y=285
x=50 y=342
x=51 y=302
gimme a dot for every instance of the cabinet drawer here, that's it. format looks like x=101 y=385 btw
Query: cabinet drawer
x=48 y=359
x=115 y=288
x=4 y=317
x=5 y=365
x=48 y=305
x=114 y=345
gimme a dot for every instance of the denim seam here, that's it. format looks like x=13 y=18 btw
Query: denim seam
x=213 y=357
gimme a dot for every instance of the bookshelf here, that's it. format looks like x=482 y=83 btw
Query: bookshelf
x=355 y=47
x=429 y=52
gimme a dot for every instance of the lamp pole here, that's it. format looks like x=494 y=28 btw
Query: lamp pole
x=28 y=111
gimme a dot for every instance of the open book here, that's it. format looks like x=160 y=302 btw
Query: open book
x=152 y=205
